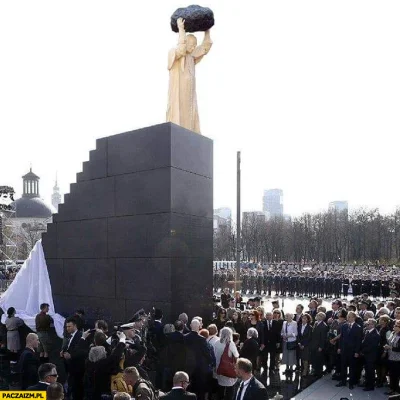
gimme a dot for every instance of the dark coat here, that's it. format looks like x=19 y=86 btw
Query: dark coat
x=178 y=394
x=250 y=350
x=28 y=366
x=255 y=390
x=318 y=336
x=350 y=339
x=305 y=338
x=272 y=336
x=370 y=345
x=76 y=364
x=100 y=372
x=198 y=345
x=41 y=387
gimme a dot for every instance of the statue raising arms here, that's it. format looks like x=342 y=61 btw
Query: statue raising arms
x=182 y=100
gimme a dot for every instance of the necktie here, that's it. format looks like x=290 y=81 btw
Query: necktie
x=240 y=392
x=269 y=325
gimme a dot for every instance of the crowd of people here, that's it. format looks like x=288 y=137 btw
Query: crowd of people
x=347 y=339
x=357 y=341
x=302 y=280
x=144 y=359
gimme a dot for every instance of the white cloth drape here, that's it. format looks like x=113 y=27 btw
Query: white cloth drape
x=30 y=288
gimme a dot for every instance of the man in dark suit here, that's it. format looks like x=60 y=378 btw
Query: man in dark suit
x=248 y=388
x=29 y=362
x=318 y=343
x=333 y=314
x=272 y=337
x=198 y=346
x=349 y=349
x=47 y=375
x=180 y=383
x=74 y=359
x=369 y=352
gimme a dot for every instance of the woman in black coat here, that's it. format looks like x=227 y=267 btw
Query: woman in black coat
x=251 y=348
x=303 y=338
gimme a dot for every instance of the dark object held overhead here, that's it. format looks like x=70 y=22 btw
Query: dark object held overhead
x=196 y=18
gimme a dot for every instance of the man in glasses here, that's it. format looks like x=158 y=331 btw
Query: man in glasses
x=47 y=375
x=180 y=383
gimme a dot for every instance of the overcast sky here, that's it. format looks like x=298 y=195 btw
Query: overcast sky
x=308 y=91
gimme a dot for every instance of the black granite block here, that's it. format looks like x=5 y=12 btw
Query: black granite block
x=56 y=274
x=98 y=160
x=80 y=177
x=111 y=310
x=82 y=239
x=147 y=279
x=89 y=200
x=143 y=192
x=191 y=152
x=93 y=277
x=192 y=286
x=139 y=236
x=139 y=150
x=49 y=241
x=191 y=194
x=193 y=234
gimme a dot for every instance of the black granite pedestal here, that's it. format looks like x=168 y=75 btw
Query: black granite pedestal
x=136 y=230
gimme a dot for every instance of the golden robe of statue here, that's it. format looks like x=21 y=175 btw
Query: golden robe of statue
x=182 y=100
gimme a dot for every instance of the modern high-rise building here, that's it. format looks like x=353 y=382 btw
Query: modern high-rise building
x=273 y=202
x=338 y=206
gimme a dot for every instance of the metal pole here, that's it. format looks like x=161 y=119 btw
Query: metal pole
x=238 y=230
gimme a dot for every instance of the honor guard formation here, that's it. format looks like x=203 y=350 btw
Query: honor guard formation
x=294 y=280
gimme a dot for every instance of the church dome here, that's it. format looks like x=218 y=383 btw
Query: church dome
x=30 y=205
x=26 y=207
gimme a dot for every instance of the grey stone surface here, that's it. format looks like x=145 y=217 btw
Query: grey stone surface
x=82 y=239
x=144 y=279
x=136 y=229
x=154 y=187
x=191 y=194
x=89 y=200
x=95 y=277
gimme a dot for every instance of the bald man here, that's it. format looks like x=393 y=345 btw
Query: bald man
x=29 y=362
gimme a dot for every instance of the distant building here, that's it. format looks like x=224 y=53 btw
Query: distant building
x=273 y=203
x=223 y=212
x=31 y=215
x=253 y=215
x=222 y=217
x=338 y=206
x=56 y=196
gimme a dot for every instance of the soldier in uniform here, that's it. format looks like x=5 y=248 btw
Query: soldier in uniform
x=260 y=279
x=345 y=284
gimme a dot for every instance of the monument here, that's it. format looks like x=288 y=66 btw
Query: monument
x=182 y=99
x=136 y=229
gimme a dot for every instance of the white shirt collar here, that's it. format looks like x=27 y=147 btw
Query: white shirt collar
x=45 y=383
x=245 y=383
x=178 y=387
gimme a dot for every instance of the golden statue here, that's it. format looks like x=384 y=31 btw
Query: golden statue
x=182 y=100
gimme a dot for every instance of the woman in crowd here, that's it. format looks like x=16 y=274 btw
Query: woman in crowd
x=277 y=316
x=289 y=340
x=254 y=322
x=238 y=325
x=382 y=364
x=225 y=383
x=206 y=334
x=250 y=348
x=392 y=349
x=12 y=324
x=220 y=321
x=304 y=337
